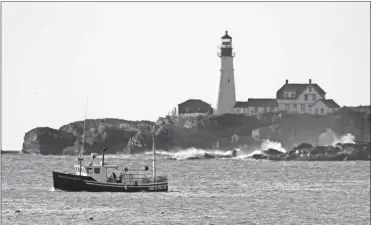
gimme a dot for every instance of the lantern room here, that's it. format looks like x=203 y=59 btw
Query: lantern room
x=226 y=41
x=226 y=46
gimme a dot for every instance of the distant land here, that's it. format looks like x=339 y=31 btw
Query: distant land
x=11 y=151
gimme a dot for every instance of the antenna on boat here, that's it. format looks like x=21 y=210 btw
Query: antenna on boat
x=83 y=136
x=154 y=153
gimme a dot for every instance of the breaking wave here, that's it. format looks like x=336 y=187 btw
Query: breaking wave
x=193 y=152
x=329 y=138
x=345 y=139
x=265 y=145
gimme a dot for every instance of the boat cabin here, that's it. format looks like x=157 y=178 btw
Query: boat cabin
x=96 y=171
x=136 y=176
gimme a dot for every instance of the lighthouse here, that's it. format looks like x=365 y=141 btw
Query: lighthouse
x=226 y=94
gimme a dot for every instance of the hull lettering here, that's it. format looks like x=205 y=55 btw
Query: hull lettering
x=158 y=187
x=68 y=177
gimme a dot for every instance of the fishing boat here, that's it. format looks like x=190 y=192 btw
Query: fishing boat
x=94 y=176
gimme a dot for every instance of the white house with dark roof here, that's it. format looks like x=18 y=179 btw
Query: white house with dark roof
x=256 y=106
x=300 y=98
x=324 y=106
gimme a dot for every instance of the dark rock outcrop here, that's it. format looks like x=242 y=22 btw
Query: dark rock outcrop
x=111 y=133
x=307 y=152
x=45 y=140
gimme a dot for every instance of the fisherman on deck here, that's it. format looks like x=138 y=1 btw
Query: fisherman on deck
x=146 y=168
x=126 y=169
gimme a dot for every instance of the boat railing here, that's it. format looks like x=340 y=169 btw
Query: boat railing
x=137 y=179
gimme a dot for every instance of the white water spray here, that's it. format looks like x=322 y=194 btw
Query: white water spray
x=267 y=144
x=329 y=138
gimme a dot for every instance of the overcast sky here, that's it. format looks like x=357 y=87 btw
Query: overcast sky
x=137 y=61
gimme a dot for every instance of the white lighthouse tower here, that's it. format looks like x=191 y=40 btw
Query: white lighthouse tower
x=226 y=94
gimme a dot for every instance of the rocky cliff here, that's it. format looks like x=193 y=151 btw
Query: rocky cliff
x=172 y=132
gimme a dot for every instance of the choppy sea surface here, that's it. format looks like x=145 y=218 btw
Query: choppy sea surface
x=215 y=191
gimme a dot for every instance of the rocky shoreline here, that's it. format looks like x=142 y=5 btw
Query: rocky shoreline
x=307 y=152
x=223 y=132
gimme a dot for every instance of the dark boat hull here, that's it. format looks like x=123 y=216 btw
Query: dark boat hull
x=72 y=182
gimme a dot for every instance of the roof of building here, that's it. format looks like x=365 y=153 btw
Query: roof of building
x=329 y=103
x=190 y=101
x=253 y=102
x=226 y=36
x=240 y=105
x=298 y=89
x=257 y=102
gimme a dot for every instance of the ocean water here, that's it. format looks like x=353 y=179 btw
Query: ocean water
x=215 y=191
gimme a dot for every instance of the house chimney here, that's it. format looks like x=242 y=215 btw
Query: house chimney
x=287 y=81
x=310 y=81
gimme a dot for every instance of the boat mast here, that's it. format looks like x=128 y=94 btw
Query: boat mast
x=83 y=136
x=154 y=155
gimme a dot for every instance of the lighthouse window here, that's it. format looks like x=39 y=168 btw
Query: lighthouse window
x=228 y=80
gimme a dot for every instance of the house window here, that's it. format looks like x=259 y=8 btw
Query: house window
x=322 y=111
x=286 y=95
x=294 y=106
x=293 y=95
x=302 y=107
x=314 y=97
x=256 y=109
x=287 y=107
x=272 y=109
x=316 y=110
x=97 y=170
x=310 y=108
x=310 y=89
x=267 y=109
x=306 y=97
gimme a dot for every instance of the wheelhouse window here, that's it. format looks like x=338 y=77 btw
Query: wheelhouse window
x=97 y=170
